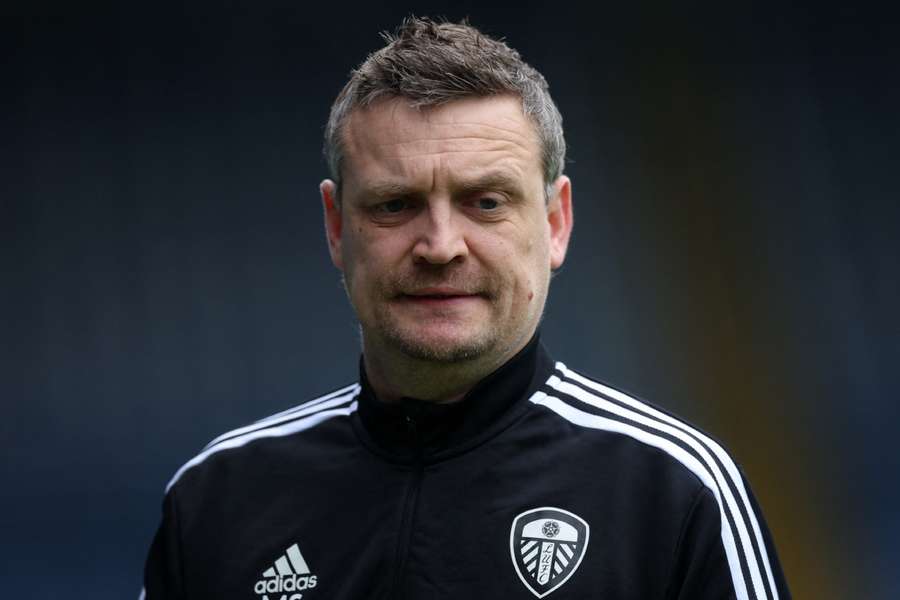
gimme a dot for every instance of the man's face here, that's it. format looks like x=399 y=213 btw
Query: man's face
x=443 y=232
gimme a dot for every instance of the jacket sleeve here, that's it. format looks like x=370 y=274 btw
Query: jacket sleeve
x=703 y=570
x=163 y=573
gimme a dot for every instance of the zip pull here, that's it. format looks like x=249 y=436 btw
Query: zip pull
x=412 y=427
x=412 y=430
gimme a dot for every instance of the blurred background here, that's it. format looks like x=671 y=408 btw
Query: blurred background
x=165 y=276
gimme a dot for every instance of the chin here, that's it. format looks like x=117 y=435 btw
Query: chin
x=441 y=347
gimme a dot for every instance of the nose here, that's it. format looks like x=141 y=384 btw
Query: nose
x=439 y=239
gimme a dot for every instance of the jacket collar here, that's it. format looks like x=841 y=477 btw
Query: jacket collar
x=414 y=430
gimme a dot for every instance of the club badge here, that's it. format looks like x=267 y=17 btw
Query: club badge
x=547 y=545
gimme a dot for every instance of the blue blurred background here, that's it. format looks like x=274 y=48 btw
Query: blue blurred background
x=165 y=276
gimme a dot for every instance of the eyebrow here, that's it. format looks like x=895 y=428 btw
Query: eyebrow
x=388 y=189
x=492 y=181
x=489 y=181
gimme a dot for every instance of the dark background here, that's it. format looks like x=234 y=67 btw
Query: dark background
x=165 y=276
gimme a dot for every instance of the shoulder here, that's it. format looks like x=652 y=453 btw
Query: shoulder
x=304 y=417
x=592 y=405
x=671 y=446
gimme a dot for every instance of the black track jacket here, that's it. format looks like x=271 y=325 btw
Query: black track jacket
x=540 y=482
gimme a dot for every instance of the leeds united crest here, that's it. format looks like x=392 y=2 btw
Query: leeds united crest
x=547 y=545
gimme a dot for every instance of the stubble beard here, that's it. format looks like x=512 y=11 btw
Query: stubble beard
x=414 y=345
x=406 y=337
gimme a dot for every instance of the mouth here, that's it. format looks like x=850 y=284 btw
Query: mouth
x=440 y=296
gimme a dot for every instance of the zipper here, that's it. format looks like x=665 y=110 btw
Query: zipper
x=409 y=508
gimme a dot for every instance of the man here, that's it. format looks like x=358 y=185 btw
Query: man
x=465 y=463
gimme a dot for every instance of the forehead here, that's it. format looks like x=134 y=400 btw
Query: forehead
x=468 y=137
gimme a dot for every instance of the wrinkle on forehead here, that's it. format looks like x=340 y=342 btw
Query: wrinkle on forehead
x=394 y=135
x=431 y=148
x=486 y=118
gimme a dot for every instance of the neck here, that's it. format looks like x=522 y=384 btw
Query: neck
x=394 y=375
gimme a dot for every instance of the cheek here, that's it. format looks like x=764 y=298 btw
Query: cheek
x=370 y=259
x=356 y=264
x=521 y=269
x=534 y=267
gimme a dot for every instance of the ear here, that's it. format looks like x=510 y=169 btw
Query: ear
x=559 y=216
x=334 y=221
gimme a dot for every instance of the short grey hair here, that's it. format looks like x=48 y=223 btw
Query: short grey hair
x=431 y=63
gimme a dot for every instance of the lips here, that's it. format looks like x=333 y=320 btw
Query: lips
x=440 y=296
x=440 y=293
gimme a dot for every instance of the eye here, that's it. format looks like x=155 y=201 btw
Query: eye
x=392 y=207
x=393 y=211
x=488 y=206
x=487 y=203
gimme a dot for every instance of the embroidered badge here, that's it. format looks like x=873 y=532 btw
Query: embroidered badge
x=546 y=545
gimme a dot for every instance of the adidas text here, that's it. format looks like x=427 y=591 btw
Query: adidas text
x=289 y=583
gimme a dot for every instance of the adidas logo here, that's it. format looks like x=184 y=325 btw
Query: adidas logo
x=290 y=573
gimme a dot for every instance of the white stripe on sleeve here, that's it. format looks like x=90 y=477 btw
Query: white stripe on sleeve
x=592 y=421
x=716 y=448
x=272 y=431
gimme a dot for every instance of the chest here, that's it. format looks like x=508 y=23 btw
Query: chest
x=501 y=523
